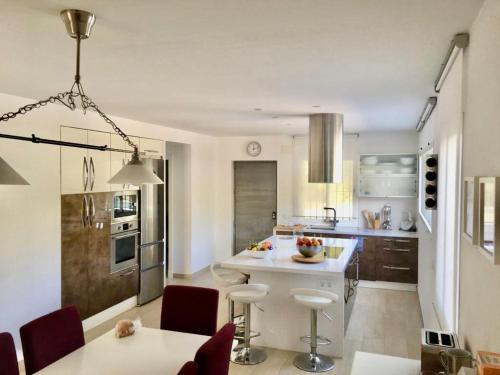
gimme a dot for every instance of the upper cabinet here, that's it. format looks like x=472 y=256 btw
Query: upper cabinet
x=88 y=171
x=151 y=148
x=84 y=170
x=388 y=176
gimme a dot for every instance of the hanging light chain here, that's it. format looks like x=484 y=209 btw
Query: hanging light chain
x=68 y=99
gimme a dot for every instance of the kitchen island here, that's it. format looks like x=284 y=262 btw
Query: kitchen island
x=283 y=321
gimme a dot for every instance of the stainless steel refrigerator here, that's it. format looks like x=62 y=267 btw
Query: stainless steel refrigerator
x=152 y=259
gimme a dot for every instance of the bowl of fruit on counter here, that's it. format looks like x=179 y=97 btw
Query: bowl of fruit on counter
x=259 y=250
x=309 y=247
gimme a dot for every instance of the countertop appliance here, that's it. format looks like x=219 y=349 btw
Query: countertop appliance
x=124 y=245
x=151 y=251
x=386 y=217
x=432 y=343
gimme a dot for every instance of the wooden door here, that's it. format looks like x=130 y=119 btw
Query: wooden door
x=74 y=253
x=255 y=206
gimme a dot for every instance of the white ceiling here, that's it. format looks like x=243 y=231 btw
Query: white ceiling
x=205 y=65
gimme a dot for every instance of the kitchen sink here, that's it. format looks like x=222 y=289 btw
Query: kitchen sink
x=320 y=226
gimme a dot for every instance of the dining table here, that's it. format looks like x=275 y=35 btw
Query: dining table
x=148 y=351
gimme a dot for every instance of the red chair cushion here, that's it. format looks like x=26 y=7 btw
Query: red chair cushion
x=190 y=309
x=213 y=356
x=8 y=358
x=51 y=337
x=189 y=368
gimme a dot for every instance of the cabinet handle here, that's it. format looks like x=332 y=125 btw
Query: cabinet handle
x=92 y=174
x=402 y=241
x=397 y=268
x=85 y=174
x=387 y=239
x=398 y=250
x=152 y=151
x=131 y=272
x=84 y=211
x=91 y=210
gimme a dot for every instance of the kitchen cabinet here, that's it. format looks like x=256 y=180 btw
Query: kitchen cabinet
x=119 y=159
x=397 y=260
x=392 y=259
x=84 y=170
x=86 y=280
x=388 y=176
x=151 y=148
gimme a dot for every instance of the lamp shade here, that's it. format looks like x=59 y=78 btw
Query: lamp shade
x=135 y=173
x=8 y=176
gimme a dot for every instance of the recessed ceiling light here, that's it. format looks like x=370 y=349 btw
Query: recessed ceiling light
x=257 y=109
x=316 y=106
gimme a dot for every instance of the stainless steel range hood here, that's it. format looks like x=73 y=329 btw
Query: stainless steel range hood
x=326 y=131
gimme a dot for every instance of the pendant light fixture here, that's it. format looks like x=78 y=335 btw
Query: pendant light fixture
x=8 y=176
x=79 y=24
x=326 y=131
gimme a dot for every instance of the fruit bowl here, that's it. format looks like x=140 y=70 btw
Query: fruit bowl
x=309 y=247
x=259 y=251
x=309 y=251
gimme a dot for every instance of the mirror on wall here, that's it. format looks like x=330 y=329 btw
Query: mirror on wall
x=470 y=213
x=489 y=217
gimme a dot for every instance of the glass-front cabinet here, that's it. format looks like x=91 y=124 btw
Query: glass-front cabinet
x=388 y=175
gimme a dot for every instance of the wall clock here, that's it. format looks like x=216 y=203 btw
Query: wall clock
x=254 y=148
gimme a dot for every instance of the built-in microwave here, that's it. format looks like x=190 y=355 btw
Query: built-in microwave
x=125 y=206
x=124 y=245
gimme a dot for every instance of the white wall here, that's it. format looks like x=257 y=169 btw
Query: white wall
x=280 y=148
x=479 y=323
x=230 y=149
x=30 y=278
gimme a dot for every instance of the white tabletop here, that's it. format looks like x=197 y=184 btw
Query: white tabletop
x=148 y=351
x=280 y=258
x=378 y=364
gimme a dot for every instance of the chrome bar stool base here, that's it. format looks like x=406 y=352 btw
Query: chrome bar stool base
x=313 y=363
x=248 y=356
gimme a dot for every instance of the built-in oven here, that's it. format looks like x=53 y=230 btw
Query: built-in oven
x=125 y=206
x=124 y=245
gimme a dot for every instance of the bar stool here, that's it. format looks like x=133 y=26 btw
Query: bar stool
x=316 y=300
x=225 y=278
x=248 y=294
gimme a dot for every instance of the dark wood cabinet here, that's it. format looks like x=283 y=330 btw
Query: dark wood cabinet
x=397 y=260
x=85 y=257
x=392 y=259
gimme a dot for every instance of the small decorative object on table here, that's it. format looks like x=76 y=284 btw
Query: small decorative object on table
x=127 y=327
x=257 y=250
x=309 y=247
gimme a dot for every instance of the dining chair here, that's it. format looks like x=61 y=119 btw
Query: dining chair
x=213 y=356
x=8 y=358
x=51 y=337
x=189 y=368
x=189 y=309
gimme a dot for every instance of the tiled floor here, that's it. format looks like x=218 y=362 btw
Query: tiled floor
x=383 y=321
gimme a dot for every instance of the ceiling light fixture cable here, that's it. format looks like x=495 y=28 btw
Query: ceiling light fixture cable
x=79 y=25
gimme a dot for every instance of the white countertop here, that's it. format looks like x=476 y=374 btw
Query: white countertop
x=147 y=351
x=378 y=364
x=280 y=258
x=365 y=232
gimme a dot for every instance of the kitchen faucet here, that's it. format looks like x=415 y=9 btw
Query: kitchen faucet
x=333 y=221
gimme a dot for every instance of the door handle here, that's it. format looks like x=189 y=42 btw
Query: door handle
x=84 y=211
x=92 y=173
x=91 y=215
x=85 y=174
